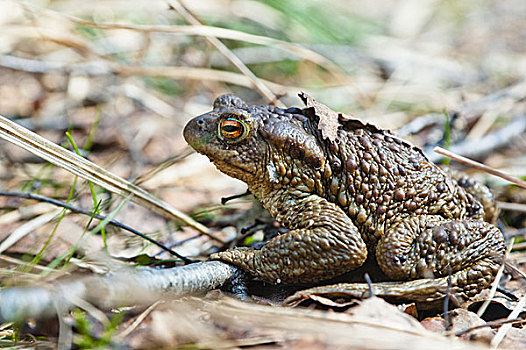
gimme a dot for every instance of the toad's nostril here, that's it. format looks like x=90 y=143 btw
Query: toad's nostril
x=200 y=122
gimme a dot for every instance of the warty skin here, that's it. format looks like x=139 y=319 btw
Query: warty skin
x=365 y=194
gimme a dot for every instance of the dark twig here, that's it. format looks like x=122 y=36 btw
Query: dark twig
x=183 y=241
x=510 y=295
x=488 y=324
x=369 y=284
x=97 y=216
x=447 y=323
x=225 y=200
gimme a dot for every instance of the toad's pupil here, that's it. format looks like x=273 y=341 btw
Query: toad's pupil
x=231 y=129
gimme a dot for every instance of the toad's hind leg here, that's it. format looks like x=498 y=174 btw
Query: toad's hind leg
x=479 y=192
x=427 y=251
x=322 y=243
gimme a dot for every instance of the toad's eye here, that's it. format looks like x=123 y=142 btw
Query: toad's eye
x=232 y=130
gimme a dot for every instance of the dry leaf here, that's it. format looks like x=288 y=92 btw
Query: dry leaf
x=462 y=320
x=328 y=119
x=514 y=339
x=377 y=310
x=330 y=302
x=434 y=324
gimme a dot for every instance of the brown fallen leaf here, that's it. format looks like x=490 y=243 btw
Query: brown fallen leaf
x=330 y=302
x=434 y=324
x=514 y=339
x=463 y=320
x=409 y=309
x=328 y=119
x=378 y=310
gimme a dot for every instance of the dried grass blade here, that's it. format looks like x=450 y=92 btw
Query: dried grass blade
x=26 y=228
x=505 y=328
x=263 y=89
x=480 y=166
x=39 y=146
x=196 y=28
x=197 y=74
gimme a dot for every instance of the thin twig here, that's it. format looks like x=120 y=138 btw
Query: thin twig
x=89 y=171
x=263 y=89
x=505 y=328
x=480 y=166
x=512 y=206
x=488 y=324
x=490 y=142
x=495 y=283
x=97 y=216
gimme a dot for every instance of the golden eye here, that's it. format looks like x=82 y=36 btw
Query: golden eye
x=232 y=130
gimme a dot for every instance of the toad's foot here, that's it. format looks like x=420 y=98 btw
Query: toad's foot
x=322 y=243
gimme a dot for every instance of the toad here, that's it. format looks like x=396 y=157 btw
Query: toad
x=363 y=194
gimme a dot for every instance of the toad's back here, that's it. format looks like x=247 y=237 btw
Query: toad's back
x=380 y=180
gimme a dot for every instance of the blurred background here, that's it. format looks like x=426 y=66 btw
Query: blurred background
x=123 y=78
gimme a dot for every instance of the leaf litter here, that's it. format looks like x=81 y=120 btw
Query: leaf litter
x=404 y=81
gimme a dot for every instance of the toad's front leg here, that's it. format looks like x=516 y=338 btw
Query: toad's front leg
x=322 y=243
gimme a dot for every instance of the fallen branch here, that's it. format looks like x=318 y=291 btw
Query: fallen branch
x=130 y=287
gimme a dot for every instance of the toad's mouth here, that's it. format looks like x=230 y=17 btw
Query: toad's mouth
x=230 y=168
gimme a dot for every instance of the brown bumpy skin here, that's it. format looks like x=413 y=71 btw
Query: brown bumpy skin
x=365 y=195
